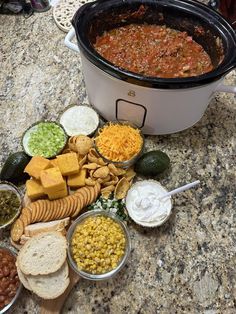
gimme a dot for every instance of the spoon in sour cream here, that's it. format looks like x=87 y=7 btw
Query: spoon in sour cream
x=178 y=190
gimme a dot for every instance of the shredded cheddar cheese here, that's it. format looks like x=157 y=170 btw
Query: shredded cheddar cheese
x=119 y=142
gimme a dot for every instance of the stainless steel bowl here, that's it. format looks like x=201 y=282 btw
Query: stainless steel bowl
x=15 y=298
x=122 y=262
x=126 y=163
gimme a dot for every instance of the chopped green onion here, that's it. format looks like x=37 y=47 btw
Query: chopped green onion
x=46 y=140
x=112 y=205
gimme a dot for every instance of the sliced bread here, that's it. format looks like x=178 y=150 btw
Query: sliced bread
x=43 y=254
x=22 y=277
x=34 y=229
x=50 y=286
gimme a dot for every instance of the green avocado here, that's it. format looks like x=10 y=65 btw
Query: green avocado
x=13 y=168
x=152 y=163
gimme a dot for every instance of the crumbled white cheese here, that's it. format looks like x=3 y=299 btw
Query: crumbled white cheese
x=79 y=120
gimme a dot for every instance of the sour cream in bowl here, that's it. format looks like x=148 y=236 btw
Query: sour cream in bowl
x=144 y=205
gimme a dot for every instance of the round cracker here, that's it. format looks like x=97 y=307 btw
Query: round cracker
x=51 y=212
x=61 y=208
x=45 y=210
x=65 y=207
x=58 y=206
x=17 y=230
x=74 y=204
x=54 y=210
x=91 y=193
x=71 y=204
x=79 y=206
x=83 y=196
x=70 y=200
x=26 y=211
x=42 y=209
x=24 y=219
x=87 y=191
x=36 y=213
x=96 y=191
x=39 y=210
x=32 y=207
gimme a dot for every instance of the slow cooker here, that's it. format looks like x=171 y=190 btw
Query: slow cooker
x=157 y=105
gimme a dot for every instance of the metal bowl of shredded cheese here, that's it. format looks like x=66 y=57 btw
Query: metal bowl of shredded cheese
x=119 y=142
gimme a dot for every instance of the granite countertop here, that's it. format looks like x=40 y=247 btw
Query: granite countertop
x=188 y=264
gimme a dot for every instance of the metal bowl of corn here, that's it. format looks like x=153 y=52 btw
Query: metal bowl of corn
x=98 y=245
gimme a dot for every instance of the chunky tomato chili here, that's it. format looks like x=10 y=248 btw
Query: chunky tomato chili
x=153 y=50
x=9 y=281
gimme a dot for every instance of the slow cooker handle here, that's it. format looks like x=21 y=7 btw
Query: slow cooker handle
x=68 y=42
x=226 y=88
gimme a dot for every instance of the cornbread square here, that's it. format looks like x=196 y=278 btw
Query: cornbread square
x=77 y=180
x=68 y=163
x=52 y=180
x=58 y=194
x=34 y=189
x=36 y=165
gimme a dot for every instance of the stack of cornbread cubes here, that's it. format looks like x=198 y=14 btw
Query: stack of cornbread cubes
x=51 y=177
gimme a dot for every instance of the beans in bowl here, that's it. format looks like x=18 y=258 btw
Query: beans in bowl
x=9 y=281
x=153 y=50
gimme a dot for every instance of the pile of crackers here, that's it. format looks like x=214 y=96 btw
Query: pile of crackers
x=46 y=210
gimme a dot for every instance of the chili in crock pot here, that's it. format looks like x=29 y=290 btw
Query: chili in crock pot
x=153 y=50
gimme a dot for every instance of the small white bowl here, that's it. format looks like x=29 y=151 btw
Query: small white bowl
x=80 y=114
x=138 y=190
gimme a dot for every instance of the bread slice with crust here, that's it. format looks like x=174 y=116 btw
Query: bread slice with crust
x=39 y=227
x=43 y=254
x=52 y=285
x=23 y=278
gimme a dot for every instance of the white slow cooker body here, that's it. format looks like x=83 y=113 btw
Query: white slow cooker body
x=156 y=111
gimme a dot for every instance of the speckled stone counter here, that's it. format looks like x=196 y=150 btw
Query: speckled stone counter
x=189 y=264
